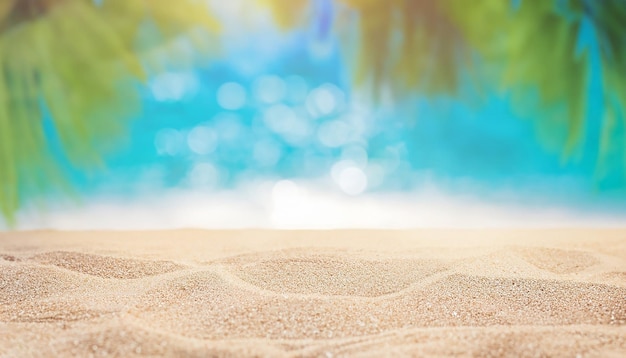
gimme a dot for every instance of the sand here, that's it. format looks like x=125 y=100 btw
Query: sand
x=522 y=293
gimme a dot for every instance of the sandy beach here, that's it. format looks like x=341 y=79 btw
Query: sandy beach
x=313 y=293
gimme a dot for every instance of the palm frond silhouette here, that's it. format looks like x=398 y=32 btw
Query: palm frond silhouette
x=71 y=61
x=532 y=47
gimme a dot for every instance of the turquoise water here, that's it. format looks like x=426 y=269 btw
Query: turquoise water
x=279 y=106
x=480 y=140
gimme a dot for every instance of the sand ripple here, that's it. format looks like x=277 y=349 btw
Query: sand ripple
x=207 y=306
x=42 y=294
x=313 y=301
x=21 y=283
x=105 y=266
x=333 y=275
x=462 y=300
x=558 y=261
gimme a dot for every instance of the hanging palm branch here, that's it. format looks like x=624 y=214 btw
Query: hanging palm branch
x=402 y=44
x=609 y=19
x=72 y=61
x=531 y=47
x=535 y=46
x=287 y=14
x=538 y=44
x=408 y=45
x=189 y=17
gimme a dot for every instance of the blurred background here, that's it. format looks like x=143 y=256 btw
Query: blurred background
x=312 y=113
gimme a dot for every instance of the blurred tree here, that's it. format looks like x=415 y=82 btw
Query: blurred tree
x=541 y=47
x=409 y=45
x=287 y=14
x=526 y=46
x=72 y=59
x=403 y=44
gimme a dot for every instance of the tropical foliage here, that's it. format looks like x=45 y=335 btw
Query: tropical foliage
x=73 y=63
x=528 y=47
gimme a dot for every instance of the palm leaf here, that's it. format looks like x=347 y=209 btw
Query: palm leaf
x=74 y=60
x=287 y=14
x=532 y=48
x=409 y=45
x=540 y=54
x=609 y=18
x=190 y=17
x=402 y=44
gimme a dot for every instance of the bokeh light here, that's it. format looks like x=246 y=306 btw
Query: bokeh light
x=292 y=112
x=231 y=96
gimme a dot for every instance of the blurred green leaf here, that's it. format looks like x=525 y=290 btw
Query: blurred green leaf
x=73 y=59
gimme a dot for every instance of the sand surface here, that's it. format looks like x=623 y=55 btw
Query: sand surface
x=319 y=293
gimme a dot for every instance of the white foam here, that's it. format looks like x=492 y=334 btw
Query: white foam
x=289 y=204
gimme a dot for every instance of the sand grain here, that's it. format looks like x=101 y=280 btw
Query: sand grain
x=296 y=294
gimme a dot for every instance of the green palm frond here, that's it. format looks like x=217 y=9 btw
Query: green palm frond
x=74 y=60
x=5 y=9
x=287 y=14
x=402 y=44
x=537 y=48
x=609 y=19
x=530 y=48
x=409 y=44
x=189 y=17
